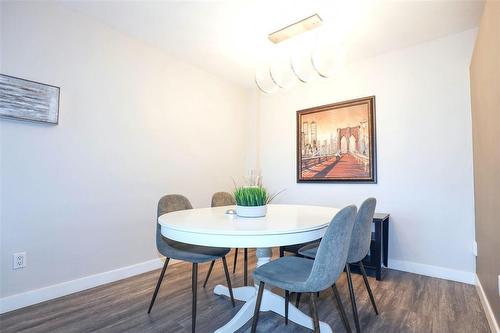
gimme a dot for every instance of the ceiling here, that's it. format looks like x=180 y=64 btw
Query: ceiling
x=229 y=38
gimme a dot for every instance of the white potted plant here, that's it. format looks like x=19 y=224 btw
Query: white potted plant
x=251 y=201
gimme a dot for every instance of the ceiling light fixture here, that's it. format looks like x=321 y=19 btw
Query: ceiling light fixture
x=301 y=59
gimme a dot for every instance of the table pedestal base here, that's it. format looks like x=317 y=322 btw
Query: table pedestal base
x=270 y=302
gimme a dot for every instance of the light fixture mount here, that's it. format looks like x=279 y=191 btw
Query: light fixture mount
x=295 y=29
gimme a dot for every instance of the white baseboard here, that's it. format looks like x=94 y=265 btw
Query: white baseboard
x=487 y=308
x=31 y=297
x=433 y=271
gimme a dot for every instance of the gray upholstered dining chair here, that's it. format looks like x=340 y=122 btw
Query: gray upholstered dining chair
x=226 y=199
x=296 y=274
x=186 y=252
x=358 y=249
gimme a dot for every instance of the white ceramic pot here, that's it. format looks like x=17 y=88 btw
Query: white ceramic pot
x=251 y=211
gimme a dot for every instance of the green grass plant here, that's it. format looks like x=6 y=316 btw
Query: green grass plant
x=251 y=196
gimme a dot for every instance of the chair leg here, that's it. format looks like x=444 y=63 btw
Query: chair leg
x=160 y=279
x=314 y=311
x=245 y=267
x=287 y=301
x=353 y=298
x=257 y=307
x=235 y=259
x=297 y=300
x=341 y=308
x=195 y=291
x=365 y=278
x=209 y=272
x=282 y=252
x=228 y=279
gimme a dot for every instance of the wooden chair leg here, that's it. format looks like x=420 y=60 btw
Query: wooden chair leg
x=365 y=278
x=297 y=300
x=287 y=301
x=257 y=307
x=245 y=267
x=160 y=279
x=314 y=311
x=340 y=306
x=235 y=259
x=194 y=288
x=228 y=279
x=209 y=272
x=353 y=298
x=282 y=252
x=195 y=291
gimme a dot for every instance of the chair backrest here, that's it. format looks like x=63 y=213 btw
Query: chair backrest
x=223 y=199
x=362 y=231
x=332 y=252
x=168 y=203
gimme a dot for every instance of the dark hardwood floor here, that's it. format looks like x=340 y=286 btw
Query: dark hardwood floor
x=407 y=302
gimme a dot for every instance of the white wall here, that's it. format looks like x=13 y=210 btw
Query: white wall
x=424 y=150
x=135 y=124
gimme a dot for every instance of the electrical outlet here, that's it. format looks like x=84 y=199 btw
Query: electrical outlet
x=19 y=260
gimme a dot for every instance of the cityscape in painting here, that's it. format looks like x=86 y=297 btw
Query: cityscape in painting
x=335 y=143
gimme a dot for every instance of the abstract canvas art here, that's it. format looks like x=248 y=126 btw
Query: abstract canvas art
x=28 y=100
x=336 y=142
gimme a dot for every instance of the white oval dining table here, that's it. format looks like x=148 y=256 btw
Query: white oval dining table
x=283 y=225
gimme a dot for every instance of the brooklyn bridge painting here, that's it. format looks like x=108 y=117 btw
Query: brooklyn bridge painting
x=336 y=142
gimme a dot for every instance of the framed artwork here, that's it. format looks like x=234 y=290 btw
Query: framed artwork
x=28 y=100
x=336 y=142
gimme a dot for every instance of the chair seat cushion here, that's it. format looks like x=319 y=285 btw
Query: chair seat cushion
x=287 y=273
x=309 y=251
x=296 y=247
x=191 y=253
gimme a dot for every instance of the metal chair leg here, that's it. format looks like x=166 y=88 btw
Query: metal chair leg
x=314 y=311
x=340 y=306
x=353 y=298
x=245 y=267
x=287 y=301
x=257 y=307
x=235 y=259
x=160 y=279
x=297 y=300
x=209 y=272
x=365 y=278
x=228 y=279
x=195 y=291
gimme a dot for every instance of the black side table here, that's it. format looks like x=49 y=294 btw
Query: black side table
x=379 y=247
